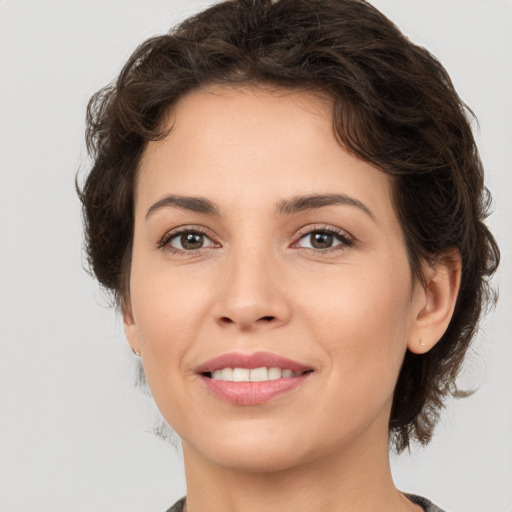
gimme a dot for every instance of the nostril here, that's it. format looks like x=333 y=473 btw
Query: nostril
x=226 y=320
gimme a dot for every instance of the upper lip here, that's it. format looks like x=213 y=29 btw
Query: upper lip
x=256 y=360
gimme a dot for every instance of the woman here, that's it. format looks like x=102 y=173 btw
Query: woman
x=287 y=203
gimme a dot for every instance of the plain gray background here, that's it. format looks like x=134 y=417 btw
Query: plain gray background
x=73 y=428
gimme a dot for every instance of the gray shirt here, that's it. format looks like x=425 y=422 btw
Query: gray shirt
x=427 y=505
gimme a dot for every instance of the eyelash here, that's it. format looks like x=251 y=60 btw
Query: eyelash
x=345 y=239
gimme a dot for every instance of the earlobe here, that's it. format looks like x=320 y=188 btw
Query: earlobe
x=440 y=291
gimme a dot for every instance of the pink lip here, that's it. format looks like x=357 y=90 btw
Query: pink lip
x=252 y=393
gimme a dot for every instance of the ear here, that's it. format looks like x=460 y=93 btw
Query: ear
x=130 y=328
x=436 y=301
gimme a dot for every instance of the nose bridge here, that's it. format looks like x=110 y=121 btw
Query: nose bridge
x=251 y=287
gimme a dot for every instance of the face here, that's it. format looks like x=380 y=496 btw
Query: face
x=261 y=243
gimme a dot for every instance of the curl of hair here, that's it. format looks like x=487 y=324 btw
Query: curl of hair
x=393 y=105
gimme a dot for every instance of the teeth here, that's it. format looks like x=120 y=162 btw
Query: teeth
x=253 y=375
x=227 y=374
x=241 y=375
x=276 y=373
x=217 y=375
x=258 y=375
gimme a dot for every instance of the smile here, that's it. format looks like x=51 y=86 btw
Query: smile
x=252 y=379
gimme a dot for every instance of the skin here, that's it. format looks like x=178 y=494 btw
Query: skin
x=258 y=284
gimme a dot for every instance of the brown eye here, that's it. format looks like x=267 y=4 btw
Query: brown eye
x=190 y=241
x=321 y=239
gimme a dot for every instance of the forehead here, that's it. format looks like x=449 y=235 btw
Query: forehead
x=226 y=120
x=250 y=144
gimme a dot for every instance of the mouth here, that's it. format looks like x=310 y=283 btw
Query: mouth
x=252 y=379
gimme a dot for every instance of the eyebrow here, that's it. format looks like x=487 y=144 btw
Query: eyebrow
x=285 y=207
x=314 y=201
x=195 y=204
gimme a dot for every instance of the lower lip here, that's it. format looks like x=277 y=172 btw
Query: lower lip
x=252 y=393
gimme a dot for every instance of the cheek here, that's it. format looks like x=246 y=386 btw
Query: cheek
x=167 y=311
x=362 y=321
x=362 y=328
x=166 y=304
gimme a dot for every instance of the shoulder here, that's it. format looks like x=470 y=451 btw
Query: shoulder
x=427 y=505
x=178 y=506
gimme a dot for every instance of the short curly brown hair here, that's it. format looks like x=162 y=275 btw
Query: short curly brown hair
x=394 y=106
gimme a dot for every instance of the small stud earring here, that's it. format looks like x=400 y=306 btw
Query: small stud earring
x=135 y=352
x=422 y=343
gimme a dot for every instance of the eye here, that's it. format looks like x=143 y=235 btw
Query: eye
x=322 y=239
x=187 y=240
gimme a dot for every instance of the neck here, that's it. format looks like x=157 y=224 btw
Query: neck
x=347 y=480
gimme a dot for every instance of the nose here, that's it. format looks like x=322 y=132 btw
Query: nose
x=250 y=295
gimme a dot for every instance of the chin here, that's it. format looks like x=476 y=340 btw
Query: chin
x=254 y=450
x=254 y=459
